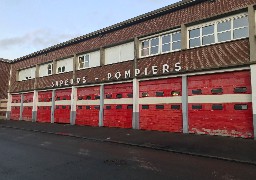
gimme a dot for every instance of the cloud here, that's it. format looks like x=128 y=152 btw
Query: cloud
x=37 y=39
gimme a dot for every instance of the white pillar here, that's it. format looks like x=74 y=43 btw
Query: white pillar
x=101 y=113
x=73 y=106
x=253 y=84
x=21 y=105
x=136 y=105
x=9 y=107
x=34 y=110
x=185 y=104
x=53 y=106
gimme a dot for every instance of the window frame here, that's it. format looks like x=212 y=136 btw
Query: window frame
x=84 y=61
x=216 y=32
x=160 y=43
x=51 y=69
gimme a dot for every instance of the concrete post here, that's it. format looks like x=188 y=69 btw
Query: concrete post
x=185 y=104
x=136 y=107
x=53 y=106
x=9 y=107
x=252 y=32
x=54 y=66
x=21 y=105
x=136 y=52
x=73 y=106
x=253 y=84
x=36 y=76
x=74 y=66
x=102 y=56
x=34 y=111
x=184 y=38
x=101 y=113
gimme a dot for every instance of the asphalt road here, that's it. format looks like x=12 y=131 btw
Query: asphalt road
x=29 y=155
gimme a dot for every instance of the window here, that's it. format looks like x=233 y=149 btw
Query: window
x=168 y=42
x=240 y=90
x=84 y=61
x=27 y=74
x=197 y=91
x=240 y=106
x=61 y=69
x=97 y=97
x=130 y=95
x=88 y=97
x=159 y=94
x=175 y=107
x=108 y=107
x=119 y=96
x=97 y=107
x=129 y=106
x=217 y=91
x=159 y=106
x=144 y=94
x=119 y=107
x=175 y=93
x=145 y=106
x=217 y=107
x=108 y=96
x=230 y=28
x=88 y=107
x=80 y=107
x=80 y=98
x=49 y=69
x=197 y=107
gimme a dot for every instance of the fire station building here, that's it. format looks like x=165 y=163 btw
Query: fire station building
x=189 y=67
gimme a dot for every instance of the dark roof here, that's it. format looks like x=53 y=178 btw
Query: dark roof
x=163 y=10
x=5 y=60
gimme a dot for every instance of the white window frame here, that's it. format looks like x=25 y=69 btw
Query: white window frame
x=61 y=67
x=215 y=23
x=84 y=67
x=159 y=36
x=51 y=64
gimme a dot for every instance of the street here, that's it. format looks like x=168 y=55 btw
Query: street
x=29 y=155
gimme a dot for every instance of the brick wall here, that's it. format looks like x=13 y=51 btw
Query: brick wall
x=4 y=79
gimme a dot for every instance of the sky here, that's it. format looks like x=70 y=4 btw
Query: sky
x=27 y=26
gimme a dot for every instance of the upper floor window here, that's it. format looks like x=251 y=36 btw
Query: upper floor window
x=49 y=68
x=61 y=69
x=64 y=65
x=84 y=61
x=222 y=30
x=163 y=43
x=27 y=74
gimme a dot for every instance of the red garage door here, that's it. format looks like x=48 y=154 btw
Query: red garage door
x=118 y=105
x=62 y=106
x=220 y=104
x=44 y=106
x=27 y=107
x=87 y=112
x=15 y=109
x=160 y=107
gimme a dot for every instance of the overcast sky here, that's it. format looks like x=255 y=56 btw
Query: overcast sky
x=27 y=26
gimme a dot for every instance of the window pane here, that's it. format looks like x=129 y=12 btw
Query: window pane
x=86 y=58
x=154 y=50
x=144 y=52
x=166 y=39
x=63 y=69
x=208 y=39
x=155 y=42
x=224 y=36
x=49 y=72
x=194 y=42
x=208 y=30
x=223 y=26
x=81 y=65
x=240 y=33
x=194 y=33
x=241 y=22
x=86 y=64
x=176 y=36
x=145 y=44
x=166 y=48
x=176 y=45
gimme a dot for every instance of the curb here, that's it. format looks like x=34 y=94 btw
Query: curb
x=133 y=145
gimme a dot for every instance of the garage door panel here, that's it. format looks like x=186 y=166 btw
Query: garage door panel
x=231 y=112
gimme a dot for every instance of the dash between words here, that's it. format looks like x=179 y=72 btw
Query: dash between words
x=127 y=74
